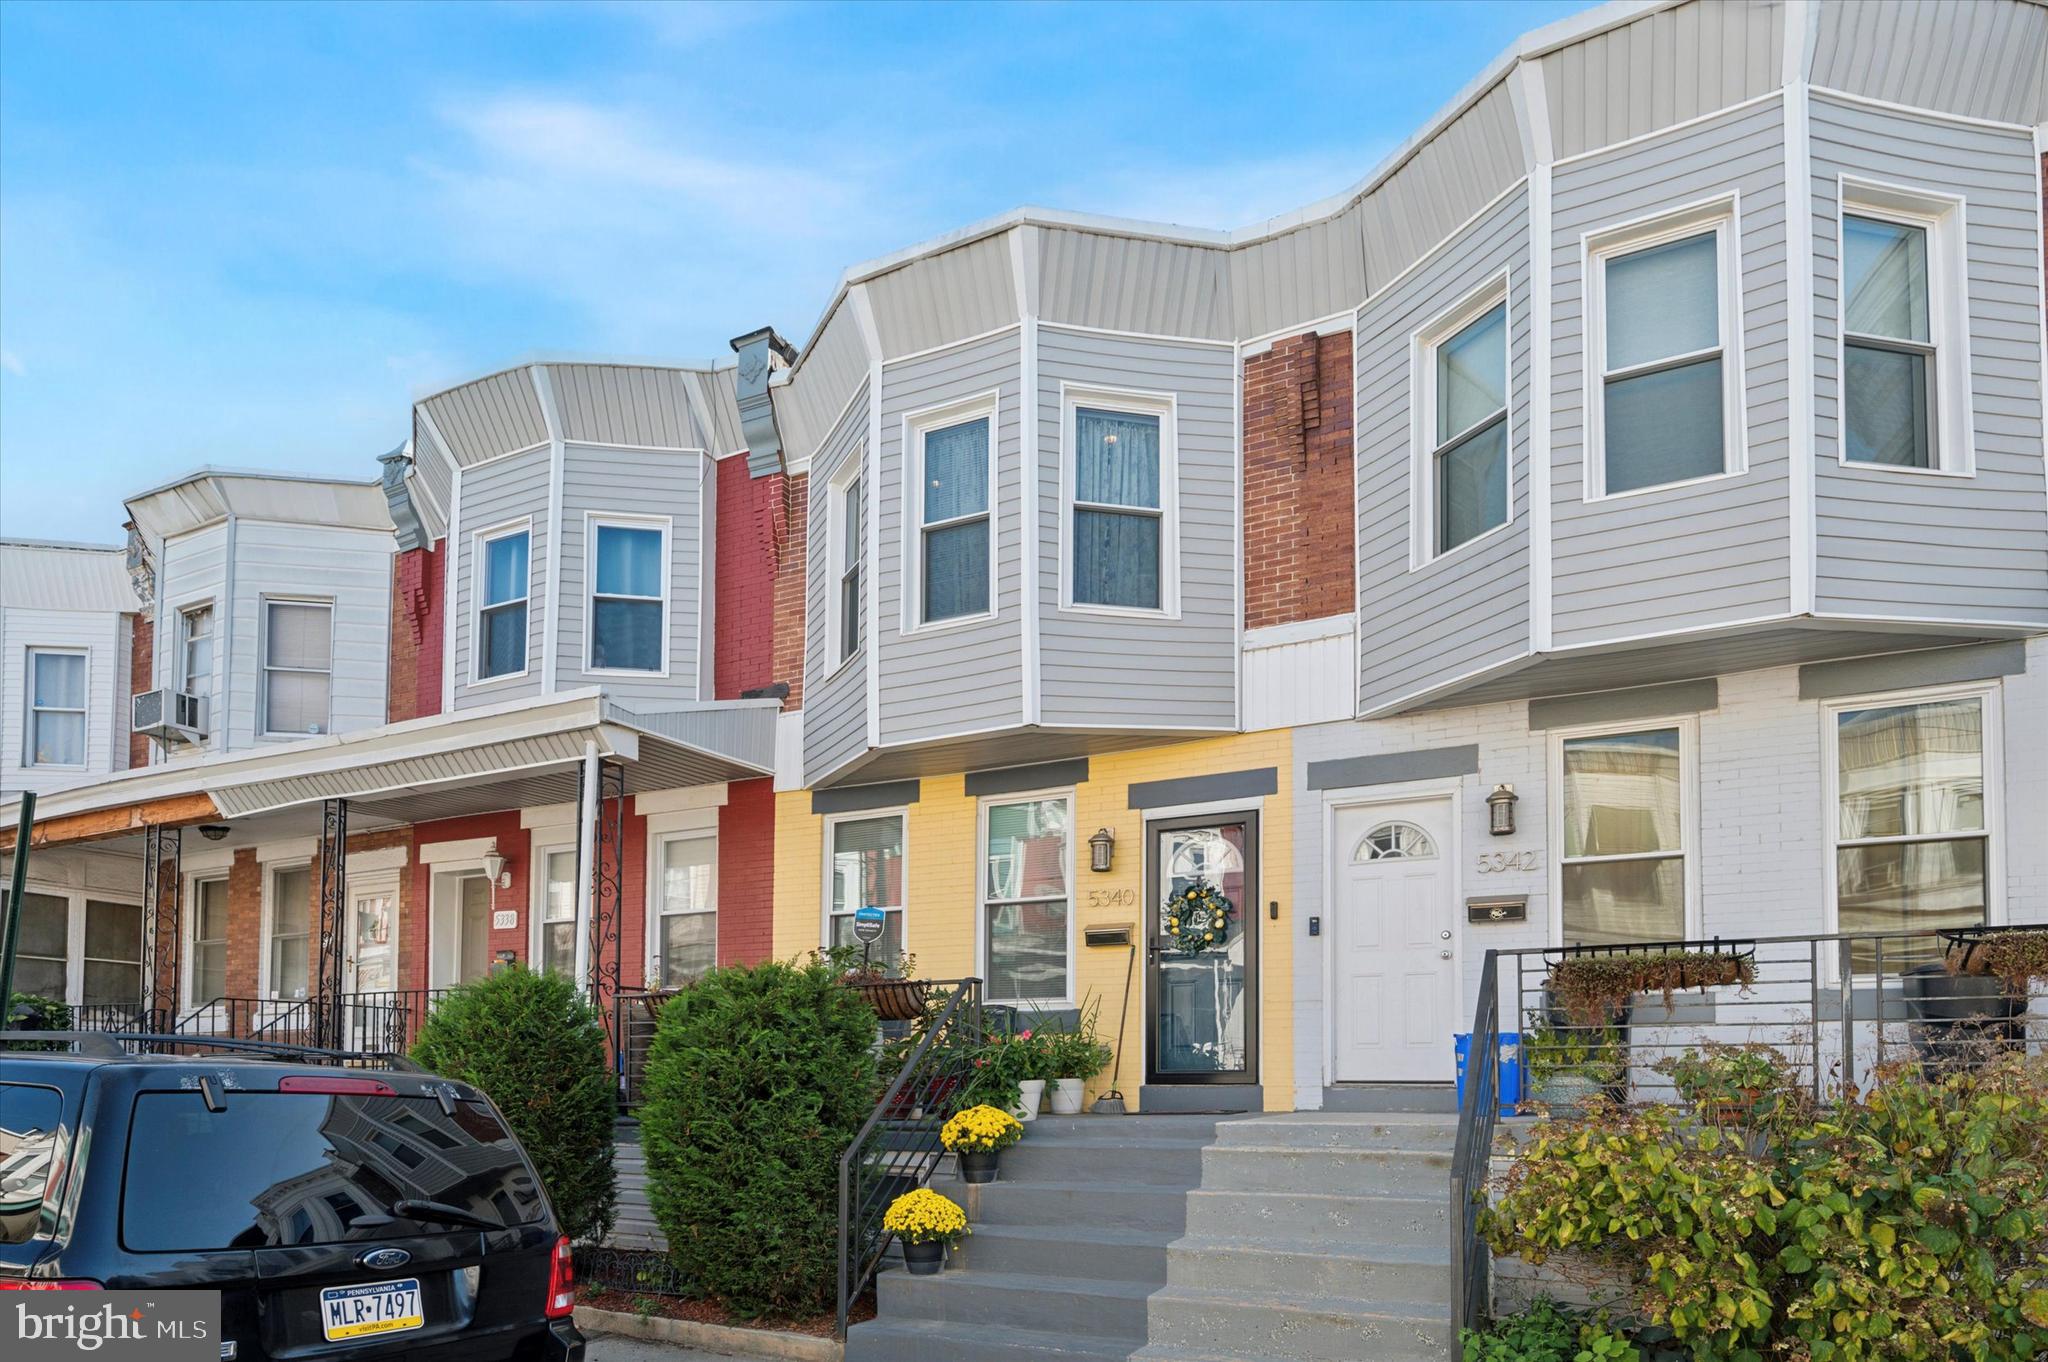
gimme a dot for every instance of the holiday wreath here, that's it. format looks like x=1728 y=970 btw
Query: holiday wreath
x=1197 y=917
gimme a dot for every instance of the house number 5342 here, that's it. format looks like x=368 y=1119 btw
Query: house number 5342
x=1499 y=862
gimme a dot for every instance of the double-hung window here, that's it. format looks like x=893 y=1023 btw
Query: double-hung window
x=291 y=897
x=1466 y=415
x=629 y=598
x=1889 y=393
x=501 y=604
x=1026 y=899
x=104 y=939
x=558 y=912
x=1665 y=404
x=195 y=645
x=298 y=666
x=56 y=708
x=688 y=934
x=1912 y=837
x=42 y=962
x=952 y=504
x=865 y=870
x=843 y=506
x=209 y=942
x=1120 y=495
x=1625 y=811
x=113 y=953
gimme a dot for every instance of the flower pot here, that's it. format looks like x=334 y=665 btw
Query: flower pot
x=978 y=1166
x=927 y=1259
x=892 y=999
x=1066 y=1096
x=1567 y=1094
x=1031 y=1092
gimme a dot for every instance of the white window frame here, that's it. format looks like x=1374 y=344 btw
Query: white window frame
x=76 y=896
x=263 y=605
x=1988 y=694
x=1134 y=402
x=900 y=812
x=182 y=680
x=1721 y=215
x=189 y=948
x=916 y=425
x=593 y=521
x=657 y=851
x=33 y=710
x=982 y=899
x=1944 y=218
x=842 y=558
x=1425 y=496
x=266 y=959
x=537 y=917
x=480 y=543
x=1688 y=726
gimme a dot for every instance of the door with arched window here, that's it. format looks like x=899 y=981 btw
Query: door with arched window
x=1393 y=970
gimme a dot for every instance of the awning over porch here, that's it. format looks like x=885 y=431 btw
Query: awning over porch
x=514 y=755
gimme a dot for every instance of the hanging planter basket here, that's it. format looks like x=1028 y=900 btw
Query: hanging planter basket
x=892 y=999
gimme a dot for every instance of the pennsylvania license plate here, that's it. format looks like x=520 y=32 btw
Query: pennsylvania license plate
x=375 y=1308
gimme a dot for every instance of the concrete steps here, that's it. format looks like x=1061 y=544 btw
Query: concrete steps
x=635 y=1227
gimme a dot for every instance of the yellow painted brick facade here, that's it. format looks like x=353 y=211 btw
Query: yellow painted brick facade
x=940 y=865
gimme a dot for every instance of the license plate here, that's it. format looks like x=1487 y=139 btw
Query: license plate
x=374 y=1308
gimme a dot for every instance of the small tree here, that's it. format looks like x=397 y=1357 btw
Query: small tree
x=537 y=1049
x=758 y=1079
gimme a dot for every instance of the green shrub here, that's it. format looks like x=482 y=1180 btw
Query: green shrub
x=758 y=1079
x=49 y=1014
x=537 y=1049
x=1548 y=1332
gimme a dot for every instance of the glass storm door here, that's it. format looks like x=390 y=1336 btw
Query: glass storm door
x=1203 y=1018
x=373 y=941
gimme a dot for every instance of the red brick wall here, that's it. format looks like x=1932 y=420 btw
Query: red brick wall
x=141 y=676
x=746 y=873
x=1298 y=551
x=744 y=644
x=418 y=584
x=245 y=923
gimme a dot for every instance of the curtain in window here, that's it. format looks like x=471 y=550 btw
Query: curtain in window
x=628 y=561
x=301 y=635
x=956 y=471
x=1117 y=458
x=689 y=916
x=1624 y=869
x=504 y=606
x=1116 y=553
x=59 y=738
x=558 y=927
x=955 y=581
x=300 y=639
x=956 y=570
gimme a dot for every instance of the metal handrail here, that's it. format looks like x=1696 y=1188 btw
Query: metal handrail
x=899 y=1142
x=1478 y=1114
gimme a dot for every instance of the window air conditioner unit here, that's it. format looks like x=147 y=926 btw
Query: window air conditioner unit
x=170 y=717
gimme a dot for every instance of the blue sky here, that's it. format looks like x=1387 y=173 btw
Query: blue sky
x=251 y=235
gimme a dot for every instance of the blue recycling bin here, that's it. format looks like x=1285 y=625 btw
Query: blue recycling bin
x=1510 y=1069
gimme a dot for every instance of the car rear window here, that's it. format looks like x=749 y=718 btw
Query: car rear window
x=31 y=1152
x=278 y=1169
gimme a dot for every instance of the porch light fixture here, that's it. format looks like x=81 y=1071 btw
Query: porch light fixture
x=1500 y=811
x=1101 y=849
x=213 y=832
x=494 y=867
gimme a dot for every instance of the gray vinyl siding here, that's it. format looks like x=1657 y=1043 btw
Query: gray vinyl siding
x=1470 y=609
x=955 y=678
x=1715 y=551
x=944 y=298
x=1133 y=671
x=1987 y=59
x=633 y=483
x=489 y=417
x=1890 y=543
x=1117 y=283
x=1663 y=68
x=493 y=494
x=351 y=570
x=835 y=694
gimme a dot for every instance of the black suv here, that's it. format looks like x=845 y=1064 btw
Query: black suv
x=364 y=1209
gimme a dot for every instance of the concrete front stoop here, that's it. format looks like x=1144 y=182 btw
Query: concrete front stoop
x=634 y=1228
x=1286 y=1238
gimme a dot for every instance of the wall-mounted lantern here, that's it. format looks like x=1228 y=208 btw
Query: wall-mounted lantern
x=494 y=867
x=1500 y=811
x=1101 y=850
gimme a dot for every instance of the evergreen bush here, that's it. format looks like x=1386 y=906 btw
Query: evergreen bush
x=33 y=1012
x=758 y=1079
x=537 y=1048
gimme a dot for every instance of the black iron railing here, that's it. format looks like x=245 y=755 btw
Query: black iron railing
x=898 y=1147
x=633 y=1019
x=380 y=1023
x=1835 y=1010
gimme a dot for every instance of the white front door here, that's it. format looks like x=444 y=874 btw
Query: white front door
x=372 y=939
x=1391 y=922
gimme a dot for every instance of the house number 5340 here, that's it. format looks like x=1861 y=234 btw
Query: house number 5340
x=1499 y=862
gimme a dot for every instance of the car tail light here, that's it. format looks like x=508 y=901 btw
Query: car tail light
x=49 y=1284
x=345 y=1087
x=561 y=1281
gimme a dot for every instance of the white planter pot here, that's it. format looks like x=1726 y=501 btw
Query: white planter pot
x=1032 y=1092
x=1066 y=1096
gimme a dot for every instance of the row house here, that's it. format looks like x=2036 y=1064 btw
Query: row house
x=1620 y=517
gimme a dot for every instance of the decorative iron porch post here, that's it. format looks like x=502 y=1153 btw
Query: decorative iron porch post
x=329 y=1024
x=163 y=893
x=606 y=889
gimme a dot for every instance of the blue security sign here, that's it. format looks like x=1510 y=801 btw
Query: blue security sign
x=868 y=925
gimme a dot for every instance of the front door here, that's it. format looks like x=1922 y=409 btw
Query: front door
x=473 y=954
x=1203 y=975
x=372 y=960
x=1394 y=973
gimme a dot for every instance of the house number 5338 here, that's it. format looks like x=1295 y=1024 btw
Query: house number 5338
x=1499 y=862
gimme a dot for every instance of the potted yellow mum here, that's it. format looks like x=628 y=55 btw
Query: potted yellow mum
x=976 y=1137
x=928 y=1224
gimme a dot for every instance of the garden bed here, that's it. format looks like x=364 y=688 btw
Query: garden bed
x=645 y=1305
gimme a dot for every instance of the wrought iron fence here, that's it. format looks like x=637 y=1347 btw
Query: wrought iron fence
x=898 y=1146
x=1560 y=1030
x=633 y=1018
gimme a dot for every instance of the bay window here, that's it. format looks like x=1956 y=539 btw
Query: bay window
x=195 y=642
x=688 y=934
x=1119 y=502
x=865 y=869
x=844 y=526
x=954 y=529
x=298 y=666
x=1465 y=415
x=629 y=597
x=1026 y=899
x=56 y=713
x=501 y=593
x=1625 y=810
x=1905 y=373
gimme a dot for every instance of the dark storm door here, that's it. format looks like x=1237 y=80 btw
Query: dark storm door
x=1202 y=1023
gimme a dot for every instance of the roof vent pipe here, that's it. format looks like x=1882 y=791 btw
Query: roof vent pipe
x=761 y=354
